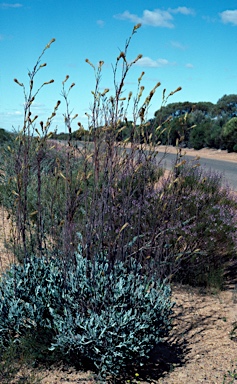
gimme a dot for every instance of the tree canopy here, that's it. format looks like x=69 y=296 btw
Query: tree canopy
x=201 y=124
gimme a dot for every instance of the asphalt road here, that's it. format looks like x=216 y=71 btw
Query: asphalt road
x=226 y=168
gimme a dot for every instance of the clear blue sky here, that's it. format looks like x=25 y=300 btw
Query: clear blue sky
x=192 y=44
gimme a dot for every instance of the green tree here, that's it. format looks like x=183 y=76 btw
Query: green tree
x=214 y=138
x=229 y=135
x=205 y=107
x=197 y=138
x=226 y=105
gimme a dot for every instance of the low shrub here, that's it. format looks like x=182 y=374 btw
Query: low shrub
x=110 y=315
x=204 y=221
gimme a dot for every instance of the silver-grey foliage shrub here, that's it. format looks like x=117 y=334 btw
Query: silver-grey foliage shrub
x=112 y=315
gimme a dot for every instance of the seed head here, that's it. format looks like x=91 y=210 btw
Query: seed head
x=66 y=78
x=16 y=81
x=51 y=42
x=57 y=105
x=88 y=62
x=140 y=78
x=121 y=55
x=176 y=90
x=129 y=95
x=142 y=112
x=49 y=82
x=137 y=58
x=137 y=26
x=106 y=90
x=164 y=90
x=34 y=118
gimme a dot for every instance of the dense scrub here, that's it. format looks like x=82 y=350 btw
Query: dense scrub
x=204 y=217
x=200 y=125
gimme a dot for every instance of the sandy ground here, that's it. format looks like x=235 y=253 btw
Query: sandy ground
x=217 y=154
x=203 y=153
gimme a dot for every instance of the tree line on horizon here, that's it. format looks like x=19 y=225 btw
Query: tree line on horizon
x=194 y=125
x=200 y=125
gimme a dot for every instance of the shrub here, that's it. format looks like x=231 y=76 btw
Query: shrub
x=204 y=221
x=51 y=195
x=112 y=315
x=198 y=134
x=5 y=137
x=187 y=224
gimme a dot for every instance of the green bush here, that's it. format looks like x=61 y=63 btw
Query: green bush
x=5 y=136
x=198 y=134
x=235 y=148
x=229 y=134
x=111 y=315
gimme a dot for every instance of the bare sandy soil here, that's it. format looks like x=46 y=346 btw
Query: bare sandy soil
x=203 y=153
x=200 y=349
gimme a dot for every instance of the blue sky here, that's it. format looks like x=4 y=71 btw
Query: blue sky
x=189 y=44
